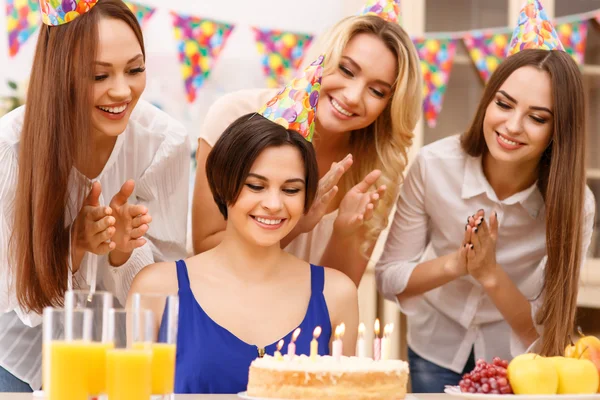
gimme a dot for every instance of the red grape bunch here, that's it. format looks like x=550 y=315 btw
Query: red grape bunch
x=487 y=378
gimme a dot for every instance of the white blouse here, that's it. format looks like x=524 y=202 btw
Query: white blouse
x=154 y=150
x=443 y=187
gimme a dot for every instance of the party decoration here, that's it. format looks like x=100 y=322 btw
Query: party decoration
x=58 y=12
x=22 y=19
x=199 y=43
x=487 y=50
x=295 y=106
x=436 y=62
x=574 y=36
x=281 y=53
x=389 y=10
x=142 y=13
x=534 y=30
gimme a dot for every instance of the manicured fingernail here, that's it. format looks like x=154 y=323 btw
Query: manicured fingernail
x=475 y=230
x=471 y=247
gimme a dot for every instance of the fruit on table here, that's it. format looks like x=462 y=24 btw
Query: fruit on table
x=532 y=374
x=575 y=376
x=487 y=378
x=587 y=347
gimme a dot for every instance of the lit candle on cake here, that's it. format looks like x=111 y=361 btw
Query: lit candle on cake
x=277 y=354
x=337 y=346
x=314 y=345
x=377 y=342
x=292 y=345
x=385 y=342
x=360 y=342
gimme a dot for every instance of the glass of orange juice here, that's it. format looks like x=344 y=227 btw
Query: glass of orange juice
x=65 y=354
x=129 y=363
x=162 y=339
x=100 y=302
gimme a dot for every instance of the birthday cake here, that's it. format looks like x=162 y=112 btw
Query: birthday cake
x=303 y=377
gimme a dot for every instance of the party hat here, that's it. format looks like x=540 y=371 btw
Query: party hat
x=534 y=30
x=389 y=10
x=295 y=106
x=58 y=12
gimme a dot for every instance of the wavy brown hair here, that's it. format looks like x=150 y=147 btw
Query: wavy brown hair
x=54 y=139
x=561 y=181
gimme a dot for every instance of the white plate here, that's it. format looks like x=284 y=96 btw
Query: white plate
x=243 y=395
x=455 y=391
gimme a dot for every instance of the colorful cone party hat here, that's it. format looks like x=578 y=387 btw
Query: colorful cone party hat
x=295 y=106
x=534 y=30
x=389 y=10
x=58 y=12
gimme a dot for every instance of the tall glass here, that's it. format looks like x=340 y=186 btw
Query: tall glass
x=100 y=303
x=162 y=340
x=65 y=354
x=129 y=363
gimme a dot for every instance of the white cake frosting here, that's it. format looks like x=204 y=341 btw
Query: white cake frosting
x=329 y=364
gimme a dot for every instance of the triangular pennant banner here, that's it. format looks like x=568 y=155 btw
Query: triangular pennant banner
x=141 y=12
x=199 y=43
x=23 y=18
x=436 y=62
x=573 y=36
x=281 y=53
x=487 y=50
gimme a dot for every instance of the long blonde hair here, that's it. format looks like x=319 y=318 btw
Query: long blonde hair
x=382 y=145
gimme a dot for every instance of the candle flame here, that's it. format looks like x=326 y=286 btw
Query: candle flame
x=377 y=327
x=317 y=332
x=280 y=345
x=361 y=330
x=295 y=334
x=342 y=329
x=387 y=330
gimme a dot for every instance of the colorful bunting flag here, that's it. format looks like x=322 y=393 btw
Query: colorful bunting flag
x=573 y=36
x=281 y=53
x=142 y=13
x=199 y=43
x=23 y=18
x=487 y=50
x=436 y=62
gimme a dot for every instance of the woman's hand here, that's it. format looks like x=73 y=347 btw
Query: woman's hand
x=358 y=204
x=131 y=223
x=481 y=254
x=93 y=228
x=325 y=193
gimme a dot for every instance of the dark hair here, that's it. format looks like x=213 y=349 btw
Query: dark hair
x=55 y=138
x=561 y=181
x=232 y=157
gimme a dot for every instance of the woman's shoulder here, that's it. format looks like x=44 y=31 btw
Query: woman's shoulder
x=149 y=120
x=229 y=107
x=338 y=286
x=156 y=278
x=11 y=125
x=446 y=148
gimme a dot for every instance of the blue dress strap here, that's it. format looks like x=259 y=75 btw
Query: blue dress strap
x=182 y=275
x=317 y=278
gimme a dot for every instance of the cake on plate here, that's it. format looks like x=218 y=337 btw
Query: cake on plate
x=302 y=377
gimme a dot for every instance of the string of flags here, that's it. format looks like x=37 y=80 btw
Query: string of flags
x=200 y=41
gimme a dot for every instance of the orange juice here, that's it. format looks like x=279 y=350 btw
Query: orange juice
x=66 y=370
x=163 y=366
x=96 y=353
x=129 y=374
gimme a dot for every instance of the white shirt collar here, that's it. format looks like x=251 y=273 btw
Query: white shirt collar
x=475 y=183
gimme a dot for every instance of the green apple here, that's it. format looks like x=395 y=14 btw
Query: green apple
x=532 y=374
x=576 y=376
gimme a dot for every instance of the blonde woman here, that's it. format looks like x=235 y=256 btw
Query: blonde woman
x=369 y=105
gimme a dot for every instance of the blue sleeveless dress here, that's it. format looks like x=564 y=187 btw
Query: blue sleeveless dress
x=210 y=359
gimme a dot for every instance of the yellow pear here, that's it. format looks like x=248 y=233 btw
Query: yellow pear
x=576 y=376
x=532 y=374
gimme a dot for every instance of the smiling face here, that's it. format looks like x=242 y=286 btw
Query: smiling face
x=519 y=121
x=359 y=89
x=272 y=199
x=120 y=77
